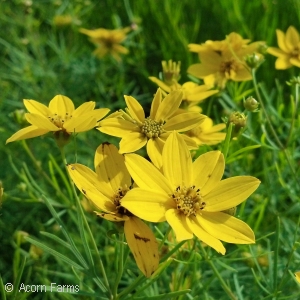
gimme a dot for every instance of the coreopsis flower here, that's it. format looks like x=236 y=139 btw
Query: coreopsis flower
x=108 y=41
x=137 y=131
x=106 y=189
x=223 y=60
x=60 y=117
x=207 y=133
x=288 y=53
x=190 y=196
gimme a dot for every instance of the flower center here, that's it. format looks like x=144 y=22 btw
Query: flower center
x=151 y=128
x=58 y=120
x=228 y=66
x=117 y=197
x=188 y=200
x=296 y=52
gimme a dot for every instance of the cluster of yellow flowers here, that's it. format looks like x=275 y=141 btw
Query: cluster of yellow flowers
x=125 y=187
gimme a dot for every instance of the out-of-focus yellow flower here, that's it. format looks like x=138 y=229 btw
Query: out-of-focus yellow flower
x=106 y=189
x=136 y=130
x=223 y=60
x=297 y=275
x=62 y=20
x=207 y=133
x=108 y=41
x=288 y=52
x=61 y=117
x=193 y=93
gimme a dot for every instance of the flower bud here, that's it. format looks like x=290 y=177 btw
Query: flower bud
x=171 y=71
x=251 y=104
x=238 y=119
x=254 y=60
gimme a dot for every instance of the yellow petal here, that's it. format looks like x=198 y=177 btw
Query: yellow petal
x=200 y=95
x=291 y=38
x=177 y=161
x=281 y=41
x=83 y=108
x=35 y=107
x=80 y=124
x=110 y=167
x=154 y=151
x=184 y=121
x=117 y=127
x=282 y=63
x=99 y=113
x=226 y=228
x=143 y=245
x=295 y=62
x=148 y=205
x=205 y=237
x=277 y=52
x=61 y=105
x=146 y=175
x=169 y=105
x=230 y=192
x=135 y=109
x=27 y=133
x=112 y=217
x=161 y=84
x=155 y=103
x=132 y=142
x=297 y=275
x=41 y=122
x=178 y=223
x=97 y=191
x=208 y=170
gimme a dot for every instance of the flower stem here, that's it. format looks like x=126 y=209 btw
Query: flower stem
x=218 y=275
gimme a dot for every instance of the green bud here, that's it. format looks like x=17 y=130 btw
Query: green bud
x=254 y=60
x=171 y=71
x=238 y=119
x=251 y=104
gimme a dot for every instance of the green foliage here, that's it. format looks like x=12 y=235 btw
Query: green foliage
x=45 y=235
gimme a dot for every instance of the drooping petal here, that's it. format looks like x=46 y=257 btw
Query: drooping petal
x=87 y=182
x=110 y=167
x=295 y=62
x=169 y=105
x=61 y=105
x=83 y=108
x=132 y=142
x=147 y=205
x=82 y=124
x=178 y=223
x=177 y=161
x=112 y=217
x=184 y=121
x=27 y=133
x=226 y=228
x=202 y=235
x=136 y=111
x=155 y=103
x=208 y=170
x=142 y=244
x=230 y=192
x=154 y=151
x=41 y=122
x=283 y=63
x=146 y=175
x=117 y=127
x=35 y=107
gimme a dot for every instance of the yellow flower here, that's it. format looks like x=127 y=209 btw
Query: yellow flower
x=190 y=195
x=223 y=60
x=288 y=52
x=108 y=41
x=136 y=130
x=106 y=189
x=60 y=117
x=207 y=133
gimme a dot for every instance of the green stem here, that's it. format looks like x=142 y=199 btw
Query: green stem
x=280 y=145
x=81 y=212
x=218 y=275
x=120 y=267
